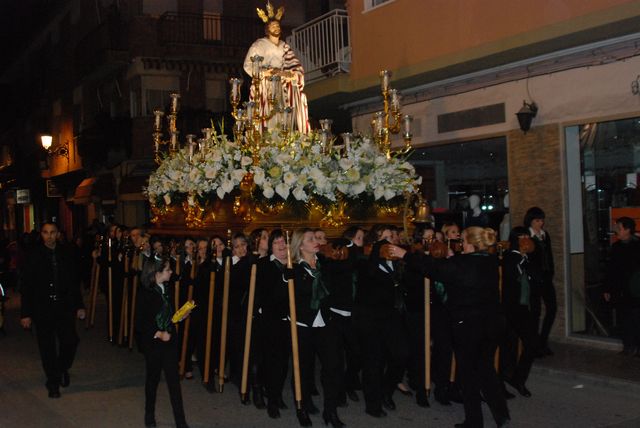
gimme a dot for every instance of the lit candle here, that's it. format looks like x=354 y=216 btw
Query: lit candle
x=395 y=99
x=157 y=144
x=378 y=122
x=174 y=140
x=385 y=76
x=346 y=138
x=236 y=83
x=192 y=148
x=256 y=64
x=201 y=142
x=249 y=106
x=325 y=124
x=158 y=114
x=207 y=133
x=275 y=87
x=174 y=102
x=406 y=120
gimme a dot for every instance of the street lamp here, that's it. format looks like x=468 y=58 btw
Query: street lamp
x=61 y=150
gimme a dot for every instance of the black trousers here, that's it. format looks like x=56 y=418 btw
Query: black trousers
x=277 y=351
x=323 y=342
x=162 y=357
x=520 y=324
x=543 y=292
x=57 y=341
x=345 y=331
x=382 y=340
x=475 y=339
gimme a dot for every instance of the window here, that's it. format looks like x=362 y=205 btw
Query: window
x=153 y=92
x=372 y=4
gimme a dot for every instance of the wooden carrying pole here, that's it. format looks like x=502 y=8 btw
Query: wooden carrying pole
x=94 y=296
x=92 y=285
x=244 y=396
x=294 y=333
x=176 y=290
x=207 y=349
x=123 y=331
x=185 y=335
x=137 y=265
x=110 y=294
x=427 y=335
x=452 y=373
x=223 y=328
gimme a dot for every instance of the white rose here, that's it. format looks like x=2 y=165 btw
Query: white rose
x=299 y=194
x=389 y=194
x=210 y=172
x=216 y=156
x=358 y=188
x=238 y=174
x=289 y=178
x=378 y=192
x=283 y=190
x=345 y=163
x=167 y=199
x=258 y=176
x=220 y=192
x=315 y=174
x=268 y=192
x=246 y=161
x=380 y=160
x=227 y=185
x=343 y=187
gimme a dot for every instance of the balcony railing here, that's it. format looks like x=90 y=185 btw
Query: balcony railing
x=323 y=45
x=214 y=29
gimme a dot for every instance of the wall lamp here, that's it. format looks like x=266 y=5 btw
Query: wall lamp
x=526 y=115
x=60 y=150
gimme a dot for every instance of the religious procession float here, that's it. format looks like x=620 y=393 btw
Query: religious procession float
x=269 y=169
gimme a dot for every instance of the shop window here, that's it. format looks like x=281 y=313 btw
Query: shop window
x=466 y=182
x=603 y=162
x=371 y=4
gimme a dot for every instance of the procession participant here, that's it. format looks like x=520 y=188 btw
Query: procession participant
x=356 y=235
x=278 y=59
x=321 y=236
x=471 y=281
x=622 y=282
x=51 y=299
x=516 y=296
x=261 y=237
x=541 y=271
x=157 y=340
x=272 y=299
x=187 y=279
x=313 y=335
x=111 y=262
x=341 y=278
x=377 y=318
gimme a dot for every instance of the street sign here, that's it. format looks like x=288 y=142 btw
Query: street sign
x=23 y=196
x=52 y=190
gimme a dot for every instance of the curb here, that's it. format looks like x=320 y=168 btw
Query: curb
x=588 y=378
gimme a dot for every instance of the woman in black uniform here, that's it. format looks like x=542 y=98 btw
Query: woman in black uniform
x=157 y=339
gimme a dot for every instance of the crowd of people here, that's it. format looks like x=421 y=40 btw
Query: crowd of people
x=359 y=307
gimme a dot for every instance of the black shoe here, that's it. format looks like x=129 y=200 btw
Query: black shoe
x=454 y=394
x=258 y=398
x=311 y=408
x=303 y=418
x=404 y=391
x=149 y=421
x=244 y=399
x=353 y=396
x=211 y=387
x=332 y=418
x=64 y=379
x=421 y=399
x=461 y=425
x=441 y=395
x=54 y=392
x=378 y=413
x=273 y=411
x=522 y=390
x=388 y=403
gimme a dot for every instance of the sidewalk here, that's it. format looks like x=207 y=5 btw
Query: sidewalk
x=592 y=365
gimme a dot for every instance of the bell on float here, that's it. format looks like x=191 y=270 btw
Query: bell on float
x=423 y=211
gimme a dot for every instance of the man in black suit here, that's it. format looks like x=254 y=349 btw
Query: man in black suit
x=51 y=299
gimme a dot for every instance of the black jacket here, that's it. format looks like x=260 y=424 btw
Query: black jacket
x=148 y=305
x=41 y=282
x=541 y=267
x=272 y=294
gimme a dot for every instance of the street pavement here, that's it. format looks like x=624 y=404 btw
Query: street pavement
x=107 y=390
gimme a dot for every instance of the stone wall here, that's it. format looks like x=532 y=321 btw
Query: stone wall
x=536 y=179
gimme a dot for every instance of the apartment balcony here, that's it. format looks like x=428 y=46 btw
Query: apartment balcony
x=323 y=45
x=208 y=29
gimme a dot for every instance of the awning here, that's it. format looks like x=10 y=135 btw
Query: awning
x=131 y=188
x=94 y=189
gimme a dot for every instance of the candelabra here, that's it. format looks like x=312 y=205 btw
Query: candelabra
x=390 y=120
x=173 y=131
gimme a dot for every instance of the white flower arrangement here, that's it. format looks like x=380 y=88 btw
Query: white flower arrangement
x=294 y=170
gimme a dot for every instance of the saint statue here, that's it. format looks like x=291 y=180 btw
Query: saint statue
x=276 y=58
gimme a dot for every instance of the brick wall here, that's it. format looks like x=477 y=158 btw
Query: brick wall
x=535 y=179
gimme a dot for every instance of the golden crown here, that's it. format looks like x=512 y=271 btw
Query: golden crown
x=270 y=14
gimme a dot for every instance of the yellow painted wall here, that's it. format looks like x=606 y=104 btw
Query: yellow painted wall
x=412 y=36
